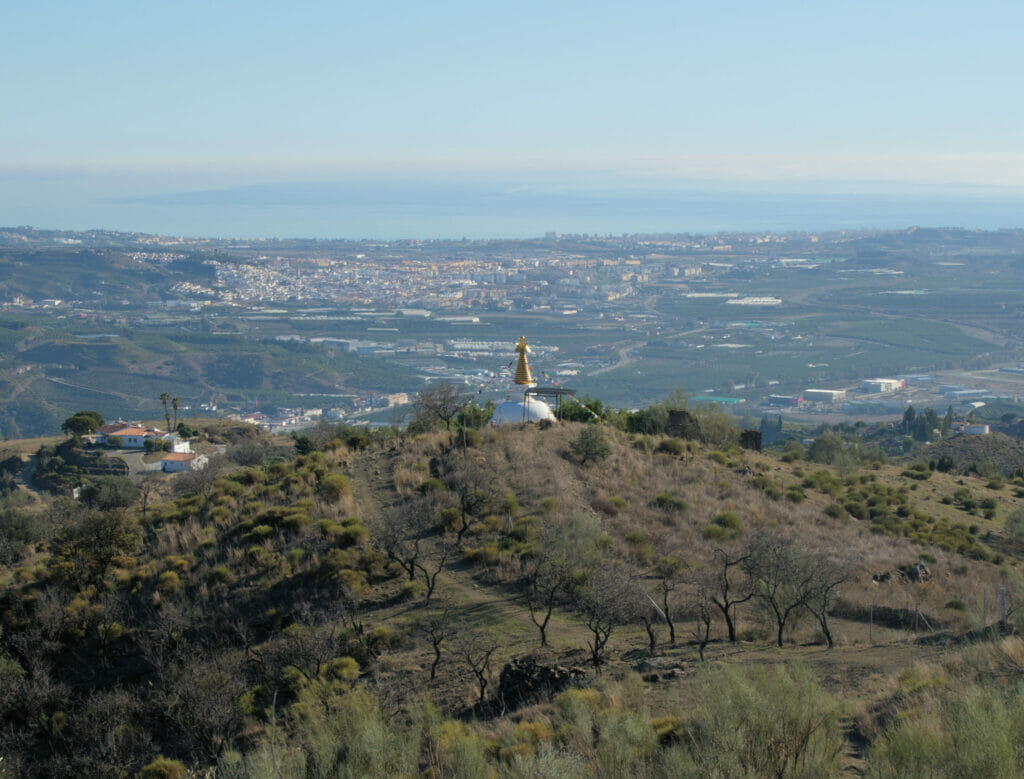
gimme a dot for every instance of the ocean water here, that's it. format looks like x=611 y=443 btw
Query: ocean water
x=477 y=209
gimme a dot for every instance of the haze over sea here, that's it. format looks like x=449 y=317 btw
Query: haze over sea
x=478 y=208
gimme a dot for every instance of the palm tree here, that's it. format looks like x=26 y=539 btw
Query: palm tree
x=176 y=404
x=164 y=397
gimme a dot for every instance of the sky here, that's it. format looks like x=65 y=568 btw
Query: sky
x=201 y=95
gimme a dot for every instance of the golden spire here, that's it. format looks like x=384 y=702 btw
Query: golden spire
x=523 y=369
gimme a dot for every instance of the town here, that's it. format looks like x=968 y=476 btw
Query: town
x=281 y=332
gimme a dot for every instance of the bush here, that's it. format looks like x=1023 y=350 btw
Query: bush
x=673 y=446
x=164 y=768
x=973 y=732
x=670 y=503
x=724 y=527
x=776 y=722
x=590 y=445
x=430 y=485
x=834 y=510
x=335 y=487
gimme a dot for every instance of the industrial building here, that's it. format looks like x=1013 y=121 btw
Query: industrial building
x=830 y=396
x=882 y=385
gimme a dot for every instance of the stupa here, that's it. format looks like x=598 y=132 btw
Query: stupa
x=530 y=408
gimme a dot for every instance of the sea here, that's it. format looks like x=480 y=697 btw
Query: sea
x=427 y=208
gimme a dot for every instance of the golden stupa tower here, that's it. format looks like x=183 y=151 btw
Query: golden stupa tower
x=523 y=375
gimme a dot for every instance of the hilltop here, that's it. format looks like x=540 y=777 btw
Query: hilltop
x=505 y=597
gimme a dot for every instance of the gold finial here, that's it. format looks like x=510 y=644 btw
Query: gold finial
x=523 y=369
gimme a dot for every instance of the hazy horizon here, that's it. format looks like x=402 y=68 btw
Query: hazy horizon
x=481 y=206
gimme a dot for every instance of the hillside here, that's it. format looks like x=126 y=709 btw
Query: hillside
x=355 y=610
x=995 y=452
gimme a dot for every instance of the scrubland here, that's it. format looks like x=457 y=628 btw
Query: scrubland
x=350 y=611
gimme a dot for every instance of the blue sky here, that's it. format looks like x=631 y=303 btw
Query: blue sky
x=215 y=93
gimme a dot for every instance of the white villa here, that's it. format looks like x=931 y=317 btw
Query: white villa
x=132 y=435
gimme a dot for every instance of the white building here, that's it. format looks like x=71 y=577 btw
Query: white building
x=176 y=462
x=882 y=385
x=827 y=395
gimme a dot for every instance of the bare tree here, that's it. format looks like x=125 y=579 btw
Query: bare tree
x=202 y=700
x=437 y=627
x=784 y=578
x=548 y=580
x=669 y=571
x=702 y=607
x=439 y=403
x=830 y=572
x=560 y=550
x=728 y=586
x=475 y=647
x=403 y=530
x=201 y=482
x=607 y=601
x=647 y=610
x=473 y=486
x=431 y=567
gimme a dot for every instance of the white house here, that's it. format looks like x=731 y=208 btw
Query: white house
x=176 y=462
x=130 y=435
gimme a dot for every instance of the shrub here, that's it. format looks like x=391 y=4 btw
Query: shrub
x=673 y=446
x=221 y=573
x=971 y=733
x=835 y=510
x=430 y=485
x=334 y=487
x=795 y=494
x=670 y=503
x=590 y=445
x=169 y=583
x=164 y=768
x=724 y=527
x=776 y=722
x=413 y=590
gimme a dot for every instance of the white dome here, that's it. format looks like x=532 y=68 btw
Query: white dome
x=527 y=410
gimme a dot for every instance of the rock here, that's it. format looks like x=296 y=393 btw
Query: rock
x=525 y=681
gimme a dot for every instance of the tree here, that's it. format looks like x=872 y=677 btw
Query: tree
x=82 y=423
x=585 y=409
x=725 y=590
x=86 y=546
x=402 y=533
x=437 y=404
x=908 y=419
x=472 y=484
x=606 y=601
x=590 y=445
x=829 y=573
x=669 y=570
x=109 y=492
x=783 y=577
x=437 y=626
x=164 y=398
x=701 y=606
x=825 y=448
x=475 y=647
x=474 y=416
x=176 y=404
